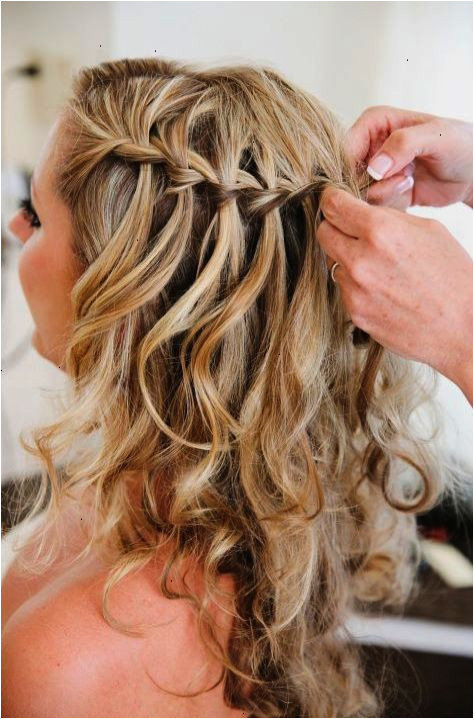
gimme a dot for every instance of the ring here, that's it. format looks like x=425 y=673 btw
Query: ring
x=333 y=269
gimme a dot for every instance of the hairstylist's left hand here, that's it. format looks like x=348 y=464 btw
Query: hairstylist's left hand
x=403 y=279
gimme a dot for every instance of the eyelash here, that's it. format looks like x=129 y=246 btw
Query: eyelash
x=27 y=207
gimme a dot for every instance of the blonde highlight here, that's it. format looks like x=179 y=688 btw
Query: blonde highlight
x=213 y=353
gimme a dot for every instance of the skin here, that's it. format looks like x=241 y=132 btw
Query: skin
x=436 y=151
x=420 y=310
x=51 y=623
x=59 y=639
x=47 y=266
x=404 y=279
x=423 y=299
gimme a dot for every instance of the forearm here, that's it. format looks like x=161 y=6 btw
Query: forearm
x=468 y=199
x=468 y=386
x=463 y=377
x=459 y=369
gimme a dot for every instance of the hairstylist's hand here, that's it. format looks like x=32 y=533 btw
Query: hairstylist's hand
x=396 y=144
x=403 y=279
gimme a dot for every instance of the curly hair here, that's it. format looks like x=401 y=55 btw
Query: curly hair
x=212 y=355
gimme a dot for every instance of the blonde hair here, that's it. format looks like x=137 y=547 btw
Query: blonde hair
x=215 y=358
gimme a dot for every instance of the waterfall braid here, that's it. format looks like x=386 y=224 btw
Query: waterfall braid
x=213 y=357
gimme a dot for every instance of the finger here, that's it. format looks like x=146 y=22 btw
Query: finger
x=337 y=246
x=399 y=202
x=349 y=214
x=330 y=261
x=365 y=137
x=349 y=291
x=341 y=275
x=394 y=192
x=403 y=146
x=409 y=170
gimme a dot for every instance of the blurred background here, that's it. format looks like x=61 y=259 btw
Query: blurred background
x=351 y=55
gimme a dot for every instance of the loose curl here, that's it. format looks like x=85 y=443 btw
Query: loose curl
x=215 y=360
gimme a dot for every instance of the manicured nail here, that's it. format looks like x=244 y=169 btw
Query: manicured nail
x=379 y=166
x=409 y=169
x=405 y=184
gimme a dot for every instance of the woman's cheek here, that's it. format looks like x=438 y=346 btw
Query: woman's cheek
x=38 y=288
x=31 y=271
x=47 y=281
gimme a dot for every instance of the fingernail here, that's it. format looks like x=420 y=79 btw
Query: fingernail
x=405 y=184
x=379 y=166
x=409 y=169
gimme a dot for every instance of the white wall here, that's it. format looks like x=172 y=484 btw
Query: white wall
x=350 y=54
x=323 y=46
x=62 y=36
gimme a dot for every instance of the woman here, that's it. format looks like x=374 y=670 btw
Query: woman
x=256 y=475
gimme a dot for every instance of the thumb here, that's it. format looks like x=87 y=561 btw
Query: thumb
x=403 y=146
x=356 y=144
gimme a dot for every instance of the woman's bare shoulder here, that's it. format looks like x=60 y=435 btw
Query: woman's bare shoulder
x=61 y=658
x=21 y=543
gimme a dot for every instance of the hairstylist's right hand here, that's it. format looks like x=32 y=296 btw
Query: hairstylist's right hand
x=405 y=280
x=394 y=145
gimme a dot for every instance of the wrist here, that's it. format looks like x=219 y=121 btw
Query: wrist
x=468 y=199
x=463 y=378
x=458 y=366
x=467 y=385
